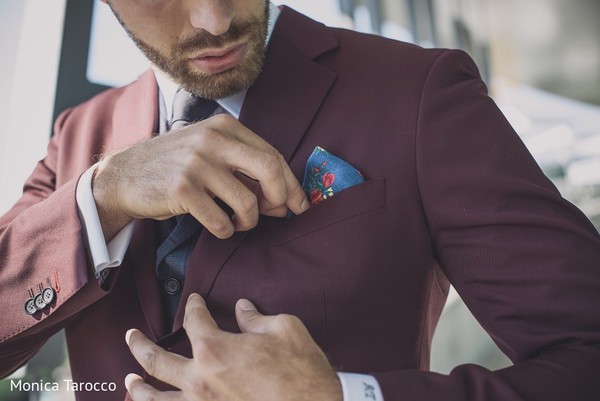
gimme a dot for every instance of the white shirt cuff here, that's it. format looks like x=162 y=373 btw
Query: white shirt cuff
x=358 y=387
x=103 y=255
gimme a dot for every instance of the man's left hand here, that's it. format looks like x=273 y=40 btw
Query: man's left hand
x=274 y=358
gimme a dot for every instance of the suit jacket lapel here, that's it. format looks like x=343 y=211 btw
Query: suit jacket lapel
x=136 y=112
x=136 y=119
x=280 y=107
x=283 y=102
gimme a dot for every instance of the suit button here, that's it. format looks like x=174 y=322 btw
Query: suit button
x=38 y=301
x=48 y=295
x=172 y=286
x=30 y=308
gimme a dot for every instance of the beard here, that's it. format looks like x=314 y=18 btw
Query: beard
x=177 y=64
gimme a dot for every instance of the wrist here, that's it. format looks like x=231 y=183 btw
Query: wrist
x=112 y=218
x=337 y=392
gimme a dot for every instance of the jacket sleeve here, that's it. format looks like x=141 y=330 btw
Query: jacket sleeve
x=41 y=244
x=525 y=261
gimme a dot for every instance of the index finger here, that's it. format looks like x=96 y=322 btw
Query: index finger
x=164 y=365
x=296 y=199
x=278 y=184
x=198 y=321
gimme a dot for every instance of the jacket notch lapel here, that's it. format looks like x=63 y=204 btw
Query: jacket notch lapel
x=283 y=102
x=136 y=112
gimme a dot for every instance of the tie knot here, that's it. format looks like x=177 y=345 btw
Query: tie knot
x=188 y=109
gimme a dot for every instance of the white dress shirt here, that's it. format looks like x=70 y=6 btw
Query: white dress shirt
x=355 y=387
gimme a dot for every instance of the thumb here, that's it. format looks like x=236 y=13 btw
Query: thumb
x=249 y=319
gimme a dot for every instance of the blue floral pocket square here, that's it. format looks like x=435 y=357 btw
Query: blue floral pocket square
x=326 y=175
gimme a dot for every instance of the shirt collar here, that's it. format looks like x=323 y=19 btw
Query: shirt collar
x=232 y=104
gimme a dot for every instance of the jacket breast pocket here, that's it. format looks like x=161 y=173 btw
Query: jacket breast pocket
x=353 y=201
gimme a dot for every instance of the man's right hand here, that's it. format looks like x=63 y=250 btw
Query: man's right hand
x=183 y=171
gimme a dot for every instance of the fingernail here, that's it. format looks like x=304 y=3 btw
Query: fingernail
x=305 y=205
x=128 y=379
x=128 y=335
x=246 y=305
x=193 y=294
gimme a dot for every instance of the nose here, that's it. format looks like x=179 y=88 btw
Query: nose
x=214 y=16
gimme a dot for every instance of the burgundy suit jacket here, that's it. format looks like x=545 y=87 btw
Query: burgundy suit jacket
x=451 y=194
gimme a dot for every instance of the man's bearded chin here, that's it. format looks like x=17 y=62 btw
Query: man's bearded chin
x=212 y=86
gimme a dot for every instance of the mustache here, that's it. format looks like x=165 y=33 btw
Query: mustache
x=204 y=39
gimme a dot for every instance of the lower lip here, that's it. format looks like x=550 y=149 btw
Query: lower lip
x=215 y=65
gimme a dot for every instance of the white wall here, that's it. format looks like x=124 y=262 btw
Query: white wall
x=11 y=13
x=30 y=37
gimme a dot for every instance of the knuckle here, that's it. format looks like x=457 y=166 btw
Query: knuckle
x=222 y=119
x=190 y=314
x=204 y=348
x=277 y=155
x=248 y=224
x=207 y=138
x=297 y=189
x=281 y=162
x=180 y=185
x=220 y=228
x=285 y=322
x=272 y=165
x=199 y=387
x=248 y=204
x=150 y=360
